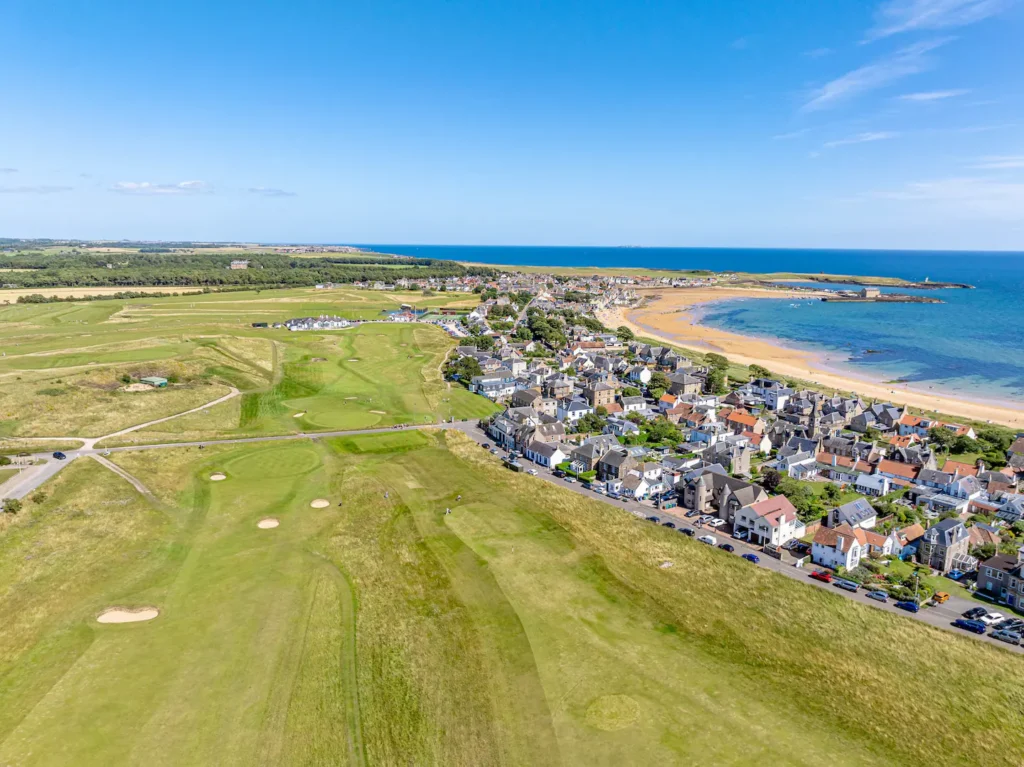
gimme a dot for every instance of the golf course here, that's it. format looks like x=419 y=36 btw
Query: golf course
x=310 y=602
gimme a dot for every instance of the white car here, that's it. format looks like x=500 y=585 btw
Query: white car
x=598 y=489
x=710 y=540
x=570 y=480
x=704 y=518
x=716 y=522
x=532 y=472
x=989 y=618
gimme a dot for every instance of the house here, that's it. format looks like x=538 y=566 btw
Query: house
x=572 y=410
x=855 y=514
x=712 y=489
x=1000 y=577
x=239 y=263
x=525 y=398
x=880 y=545
x=639 y=374
x=548 y=454
x=499 y=385
x=599 y=394
x=771 y=521
x=635 y=486
x=774 y=393
x=837 y=547
x=684 y=383
x=633 y=404
x=944 y=546
x=615 y=464
x=875 y=485
x=155 y=381
x=897 y=470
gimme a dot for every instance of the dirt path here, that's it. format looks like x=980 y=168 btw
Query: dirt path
x=233 y=393
x=137 y=484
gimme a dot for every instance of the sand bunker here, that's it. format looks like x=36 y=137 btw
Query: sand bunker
x=354 y=360
x=217 y=477
x=351 y=397
x=380 y=412
x=135 y=386
x=320 y=503
x=299 y=415
x=121 y=615
x=266 y=524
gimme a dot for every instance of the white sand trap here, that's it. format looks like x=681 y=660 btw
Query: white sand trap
x=266 y=524
x=380 y=412
x=299 y=415
x=218 y=477
x=354 y=360
x=351 y=397
x=119 y=615
x=320 y=503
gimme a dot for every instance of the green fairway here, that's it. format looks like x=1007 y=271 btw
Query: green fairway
x=530 y=626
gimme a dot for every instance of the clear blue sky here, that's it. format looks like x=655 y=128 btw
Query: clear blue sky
x=801 y=123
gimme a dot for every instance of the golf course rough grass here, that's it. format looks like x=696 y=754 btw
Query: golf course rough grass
x=529 y=626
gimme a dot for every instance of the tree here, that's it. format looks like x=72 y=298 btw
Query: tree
x=12 y=506
x=984 y=551
x=659 y=381
x=601 y=410
x=716 y=361
x=771 y=479
x=717 y=381
x=657 y=393
x=831 y=494
x=760 y=372
x=464 y=368
x=4 y=460
x=943 y=438
x=625 y=334
x=590 y=422
x=630 y=391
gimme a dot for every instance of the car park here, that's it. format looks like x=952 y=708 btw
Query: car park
x=878 y=595
x=968 y=625
x=821 y=575
x=710 y=540
x=1010 y=637
x=751 y=558
x=910 y=607
x=727 y=547
x=687 y=531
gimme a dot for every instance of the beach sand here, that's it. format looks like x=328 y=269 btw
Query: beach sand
x=667 y=316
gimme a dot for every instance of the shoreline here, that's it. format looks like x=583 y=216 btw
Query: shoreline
x=674 y=318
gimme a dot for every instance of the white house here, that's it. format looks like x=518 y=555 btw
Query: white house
x=771 y=521
x=639 y=374
x=837 y=547
x=573 y=410
x=633 y=404
x=872 y=484
x=547 y=454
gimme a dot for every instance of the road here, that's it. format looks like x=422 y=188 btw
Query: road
x=940 y=616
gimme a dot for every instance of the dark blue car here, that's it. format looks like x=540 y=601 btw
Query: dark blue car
x=751 y=558
x=968 y=625
x=910 y=607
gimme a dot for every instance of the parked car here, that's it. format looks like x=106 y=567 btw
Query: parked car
x=494 y=451
x=910 y=607
x=940 y=597
x=655 y=520
x=571 y=480
x=968 y=625
x=821 y=575
x=669 y=525
x=1010 y=637
x=975 y=612
x=990 y=619
x=751 y=558
x=845 y=585
x=687 y=531
x=558 y=473
x=613 y=495
x=955 y=574
x=59 y=455
x=485 y=445
x=879 y=596
x=710 y=540
x=598 y=489
x=727 y=547
x=716 y=523
x=1010 y=624
x=532 y=472
x=704 y=518
x=586 y=485
x=692 y=513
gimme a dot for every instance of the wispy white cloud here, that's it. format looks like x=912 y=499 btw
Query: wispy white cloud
x=42 y=189
x=861 y=138
x=147 y=188
x=267 y=191
x=973 y=197
x=896 y=16
x=933 y=95
x=905 y=62
x=791 y=135
x=1000 y=162
x=817 y=53
x=8 y=170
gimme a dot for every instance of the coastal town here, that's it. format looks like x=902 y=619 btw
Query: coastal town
x=865 y=495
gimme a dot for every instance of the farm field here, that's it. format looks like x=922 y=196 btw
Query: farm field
x=529 y=626
x=66 y=367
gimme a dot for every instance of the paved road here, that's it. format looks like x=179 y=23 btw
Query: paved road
x=940 y=616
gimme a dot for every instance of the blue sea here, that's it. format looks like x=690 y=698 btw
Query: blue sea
x=971 y=346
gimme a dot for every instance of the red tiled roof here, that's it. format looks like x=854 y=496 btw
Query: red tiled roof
x=904 y=470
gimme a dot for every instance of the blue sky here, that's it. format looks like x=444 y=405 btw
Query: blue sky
x=709 y=123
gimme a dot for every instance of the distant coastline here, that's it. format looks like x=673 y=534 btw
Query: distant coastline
x=673 y=317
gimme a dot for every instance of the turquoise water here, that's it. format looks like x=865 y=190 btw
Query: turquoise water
x=972 y=345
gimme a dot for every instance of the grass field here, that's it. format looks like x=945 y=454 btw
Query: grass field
x=530 y=626
x=62 y=366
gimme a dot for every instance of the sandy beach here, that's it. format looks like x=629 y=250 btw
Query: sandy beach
x=668 y=316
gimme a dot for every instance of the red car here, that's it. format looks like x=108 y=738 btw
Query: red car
x=821 y=575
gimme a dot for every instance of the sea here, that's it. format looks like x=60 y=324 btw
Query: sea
x=971 y=346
